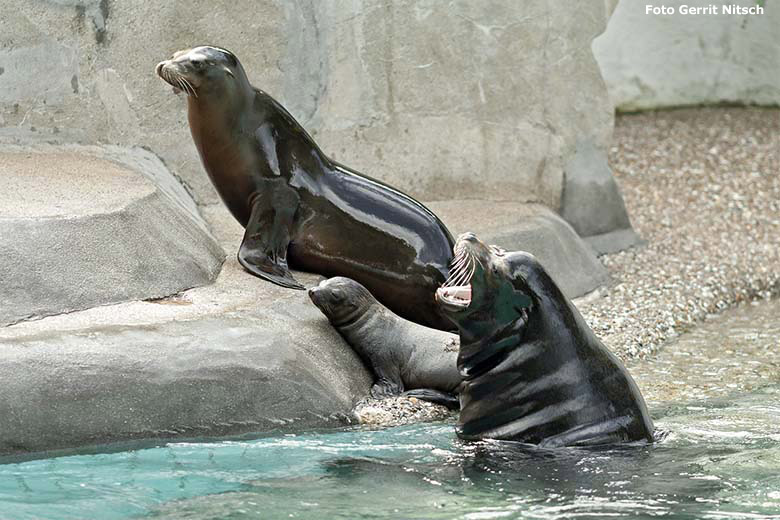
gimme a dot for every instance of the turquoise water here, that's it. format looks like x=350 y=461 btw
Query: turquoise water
x=714 y=395
x=719 y=459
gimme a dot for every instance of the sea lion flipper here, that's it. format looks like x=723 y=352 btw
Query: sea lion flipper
x=263 y=251
x=386 y=388
x=451 y=401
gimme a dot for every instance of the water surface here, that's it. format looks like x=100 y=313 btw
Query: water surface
x=715 y=394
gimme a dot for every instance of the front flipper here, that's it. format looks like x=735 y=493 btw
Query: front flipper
x=263 y=251
x=451 y=401
x=384 y=388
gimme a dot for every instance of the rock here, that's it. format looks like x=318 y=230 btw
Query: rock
x=279 y=368
x=651 y=61
x=87 y=226
x=238 y=356
x=440 y=100
x=592 y=202
x=533 y=228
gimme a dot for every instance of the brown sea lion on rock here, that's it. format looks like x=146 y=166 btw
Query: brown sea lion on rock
x=532 y=369
x=297 y=205
x=403 y=355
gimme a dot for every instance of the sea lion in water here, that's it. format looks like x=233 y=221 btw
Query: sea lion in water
x=532 y=369
x=297 y=205
x=403 y=355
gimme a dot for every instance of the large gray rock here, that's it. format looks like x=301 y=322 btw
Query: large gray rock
x=443 y=100
x=533 y=228
x=86 y=226
x=592 y=202
x=217 y=375
x=237 y=356
x=651 y=61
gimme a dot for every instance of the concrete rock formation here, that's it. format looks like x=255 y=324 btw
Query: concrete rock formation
x=237 y=356
x=590 y=184
x=86 y=226
x=219 y=375
x=652 y=61
x=441 y=100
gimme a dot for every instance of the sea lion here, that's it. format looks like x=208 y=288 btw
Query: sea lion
x=532 y=369
x=403 y=355
x=298 y=206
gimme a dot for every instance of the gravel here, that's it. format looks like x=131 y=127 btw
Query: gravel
x=702 y=187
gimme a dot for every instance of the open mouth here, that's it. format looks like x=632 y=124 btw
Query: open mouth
x=456 y=290
x=176 y=80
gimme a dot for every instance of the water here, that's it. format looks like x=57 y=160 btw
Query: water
x=718 y=409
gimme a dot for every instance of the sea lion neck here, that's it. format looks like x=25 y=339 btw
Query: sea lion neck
x=485 y=345
x=219 y=108
x=213 y=120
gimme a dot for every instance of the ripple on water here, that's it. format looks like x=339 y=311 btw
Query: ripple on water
x=737 y=352
x=719 y=459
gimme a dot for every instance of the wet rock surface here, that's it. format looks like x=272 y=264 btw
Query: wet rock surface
x=218 y=375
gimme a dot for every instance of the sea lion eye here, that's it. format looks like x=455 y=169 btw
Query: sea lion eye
x=337 y=295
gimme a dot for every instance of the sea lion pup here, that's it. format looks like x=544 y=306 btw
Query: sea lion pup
x=532 y=369
x=297 y=205
x=402 y=355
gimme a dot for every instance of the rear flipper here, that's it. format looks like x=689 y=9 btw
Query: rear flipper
x=451 y=401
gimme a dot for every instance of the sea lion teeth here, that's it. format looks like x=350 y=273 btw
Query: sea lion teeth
x=526 y=354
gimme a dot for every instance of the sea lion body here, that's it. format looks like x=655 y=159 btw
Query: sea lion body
x=532 y=369
x=300 y=208
x=403 y=355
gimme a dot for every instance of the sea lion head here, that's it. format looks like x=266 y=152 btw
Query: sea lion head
x=342 y=300
x=203 y=71
x=487 y=288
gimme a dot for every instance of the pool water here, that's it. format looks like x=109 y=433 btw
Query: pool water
x=718 y=457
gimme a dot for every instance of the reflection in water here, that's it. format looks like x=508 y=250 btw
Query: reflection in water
x=733 y=354
x=712 y=464
x=720 y=458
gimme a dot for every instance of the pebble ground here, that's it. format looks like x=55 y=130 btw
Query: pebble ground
x=702 y=187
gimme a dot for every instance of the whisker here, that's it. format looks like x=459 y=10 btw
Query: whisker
x=459 y=267
x=461 y=275
x=458 y=259
x=459 y=281
x=192 y=89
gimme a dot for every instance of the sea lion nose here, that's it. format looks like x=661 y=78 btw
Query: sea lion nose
x=314 y=294
x=159 y=67
x=468 y=236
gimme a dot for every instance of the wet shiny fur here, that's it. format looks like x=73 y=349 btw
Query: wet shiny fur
x=301 y=209
x=532 y=369
x=404 y=356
